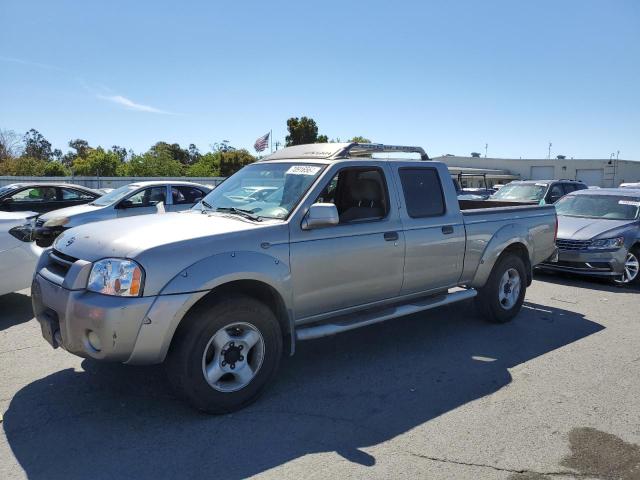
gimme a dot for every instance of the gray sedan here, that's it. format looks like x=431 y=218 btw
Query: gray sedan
x=599 y=234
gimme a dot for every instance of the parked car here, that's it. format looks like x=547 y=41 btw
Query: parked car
x=543 y=192
x=220 y=292
x=634 y=185
x=43 y=197
x=17 y=258
x=138 y=198
x=599 y=234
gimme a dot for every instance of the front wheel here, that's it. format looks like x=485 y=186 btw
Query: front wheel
x=225 y=354
x=502 y=296
x=630 y=275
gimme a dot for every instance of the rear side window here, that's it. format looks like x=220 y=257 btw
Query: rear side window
x=183 y=194
x=71 y=194
x=422 y=192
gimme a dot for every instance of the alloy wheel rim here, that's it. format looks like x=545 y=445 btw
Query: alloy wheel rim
x=233 y=356
x=509 y=289
x=631 y=268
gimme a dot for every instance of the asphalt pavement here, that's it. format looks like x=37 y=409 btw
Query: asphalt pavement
x=441 y=394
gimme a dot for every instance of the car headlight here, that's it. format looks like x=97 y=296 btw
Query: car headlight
x=116 y=276
x=56 y=222
x=606 y=243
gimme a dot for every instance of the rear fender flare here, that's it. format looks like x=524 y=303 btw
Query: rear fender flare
x=510 y=234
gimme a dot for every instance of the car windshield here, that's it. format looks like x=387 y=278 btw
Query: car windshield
x=521 y=192
x=6 y=188
x=114 y=195
x=264 y=190
x=610 y=207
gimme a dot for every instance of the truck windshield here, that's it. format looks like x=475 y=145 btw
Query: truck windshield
x=521 y=192
x=264 y=190
x=114 y=195
x=611 y=207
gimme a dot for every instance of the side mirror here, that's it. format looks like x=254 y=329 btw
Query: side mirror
x=125 y=204
x=321 y=215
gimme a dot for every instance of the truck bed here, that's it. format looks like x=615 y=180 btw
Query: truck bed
x=487 y=204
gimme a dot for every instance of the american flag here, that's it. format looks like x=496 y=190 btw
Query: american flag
x=262 y=142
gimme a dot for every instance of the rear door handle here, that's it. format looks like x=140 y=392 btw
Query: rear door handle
x=391 y=236
x=447 y=229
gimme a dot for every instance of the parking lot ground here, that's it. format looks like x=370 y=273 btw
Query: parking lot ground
x=553 y=394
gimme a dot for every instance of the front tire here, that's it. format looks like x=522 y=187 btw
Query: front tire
x=225 y=354
x=502 y=296
x=631 y=275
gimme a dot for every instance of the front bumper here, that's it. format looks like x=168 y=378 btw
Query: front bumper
x=69 y=317
x=593 y=263
x=135 y=330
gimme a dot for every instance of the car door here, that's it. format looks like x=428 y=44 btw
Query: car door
x=434 y=234
x=183 y=197
x=69 y=197
x=356 y=262
x=142 y=202
x=41 y=199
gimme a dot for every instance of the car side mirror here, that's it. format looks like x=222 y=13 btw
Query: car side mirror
x=320 y=215
x=125 y=204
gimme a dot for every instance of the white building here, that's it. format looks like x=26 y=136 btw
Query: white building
x=593 y=172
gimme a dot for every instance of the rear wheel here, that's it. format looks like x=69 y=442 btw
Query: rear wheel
x=631 y=275
x=225 y=354
x=502 y=296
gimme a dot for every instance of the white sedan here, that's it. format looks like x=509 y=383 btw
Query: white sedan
x=17 y=258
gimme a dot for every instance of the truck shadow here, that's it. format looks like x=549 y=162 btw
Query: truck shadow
x=340 y=394
x=15 y=308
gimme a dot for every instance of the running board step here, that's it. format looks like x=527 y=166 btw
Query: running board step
x=351 y=322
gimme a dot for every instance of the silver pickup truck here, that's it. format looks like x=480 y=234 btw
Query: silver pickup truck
x=338 y=241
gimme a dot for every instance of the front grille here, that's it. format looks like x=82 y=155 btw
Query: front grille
x=60 y=263
x=563 y=244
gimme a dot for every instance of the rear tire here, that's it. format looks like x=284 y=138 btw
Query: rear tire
x=502 y=296
x=225 y=353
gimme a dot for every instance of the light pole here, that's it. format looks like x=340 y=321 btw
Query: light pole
x=486 y=145
x=549 y=154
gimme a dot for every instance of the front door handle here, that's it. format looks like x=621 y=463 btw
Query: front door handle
x=391 y=236
x=447 y=229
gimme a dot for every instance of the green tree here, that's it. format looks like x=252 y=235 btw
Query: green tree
x=26 y=166
x=303 y=130
x=121 y=152
x=171 y=149
x=156 y=164
x=97 y=162
x=36 y=146
x=56 y=169
x=207 y=166
x=232 y=161
x=360 y=139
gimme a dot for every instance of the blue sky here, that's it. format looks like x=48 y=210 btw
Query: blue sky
x=450 y=76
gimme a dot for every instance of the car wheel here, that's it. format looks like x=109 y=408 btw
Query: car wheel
x=631 y=271
x=225 y=353
x=502 y=296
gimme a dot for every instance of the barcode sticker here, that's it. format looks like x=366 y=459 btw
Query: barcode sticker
x=629 y=202
x=302 y=170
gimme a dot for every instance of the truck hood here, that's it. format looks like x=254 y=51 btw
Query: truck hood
x=132 y=236
x=577 y=228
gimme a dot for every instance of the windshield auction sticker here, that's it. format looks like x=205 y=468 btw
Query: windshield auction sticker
x=629 y=202
x=302 y=170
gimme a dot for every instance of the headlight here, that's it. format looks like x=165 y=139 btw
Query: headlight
x=606 y=243
x=56 y=222
x=116 y=276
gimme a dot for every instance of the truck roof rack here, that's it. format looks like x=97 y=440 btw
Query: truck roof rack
x=336 y=151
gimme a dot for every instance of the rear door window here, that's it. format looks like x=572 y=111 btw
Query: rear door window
x=422 y=192
x=183 y=194
x=71 y=194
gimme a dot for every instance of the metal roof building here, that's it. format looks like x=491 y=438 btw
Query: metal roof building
x=593 y=172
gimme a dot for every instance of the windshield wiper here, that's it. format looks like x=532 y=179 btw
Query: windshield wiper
x=239 y=211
